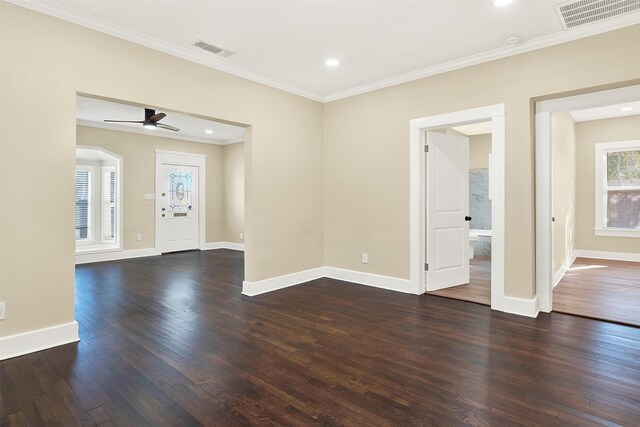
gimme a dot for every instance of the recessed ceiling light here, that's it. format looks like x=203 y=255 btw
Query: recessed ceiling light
x=625 y=109
x=501 y=3
x=332 y=62
x=512 y=39
x=209 y=131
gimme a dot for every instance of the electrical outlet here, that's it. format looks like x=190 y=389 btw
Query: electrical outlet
x=139 y=237
x=2 y=309
x=365 y=258
x=241 y=236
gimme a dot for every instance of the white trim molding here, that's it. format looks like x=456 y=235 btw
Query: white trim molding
x=274 y=283
x=352 y=276
x=37 y=340
x=223 y=245
x=602 y=187
x=369 y=279
x=115 y=255
x=60 y=11
x=234 y=246
x=417 y=129
x=558 y=275
x=543 y=175
x=511 y=305
x=521 y=306
x=612 y=256
x=617 y=232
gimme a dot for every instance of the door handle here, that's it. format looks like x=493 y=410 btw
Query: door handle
x=163 y=209
x=467 y=218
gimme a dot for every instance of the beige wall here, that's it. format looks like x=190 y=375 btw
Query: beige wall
x=563 y=139
x=588 y=134
x=139 y=162
x=234 y=192
x=308 y=203
x=479 y=149
x=283 y=154
x=366 y=148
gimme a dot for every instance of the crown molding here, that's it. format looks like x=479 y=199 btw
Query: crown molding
x=492 y=55
x=123 y=128
x=97 y=24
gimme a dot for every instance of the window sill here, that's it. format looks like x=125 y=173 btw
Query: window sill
x=96 y=249
x=617 y=232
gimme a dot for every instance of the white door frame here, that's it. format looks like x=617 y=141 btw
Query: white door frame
x=182 y=159
x=544 y=172
x=417 y=129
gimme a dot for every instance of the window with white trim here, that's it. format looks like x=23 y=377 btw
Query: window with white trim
x=617 y=170
x=98 y=206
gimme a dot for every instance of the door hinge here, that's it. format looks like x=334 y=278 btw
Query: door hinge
x=426 y=148
x=426 y=267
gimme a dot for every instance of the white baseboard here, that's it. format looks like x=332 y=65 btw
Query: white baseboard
x=522 y=306
x=557 y=277
x=40 y=339
x=275 y=283
x=139 y=253
x=369 y=279
x=613 y=256
x=115 y=255
x=358 y=277
x=223 y=245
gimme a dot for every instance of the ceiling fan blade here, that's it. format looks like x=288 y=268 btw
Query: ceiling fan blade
x=156 y=117
x=168 y=127
x=124 y=121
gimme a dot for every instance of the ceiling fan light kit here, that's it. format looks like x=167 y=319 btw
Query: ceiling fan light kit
x=151 y=121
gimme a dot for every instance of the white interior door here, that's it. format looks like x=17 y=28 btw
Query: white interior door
x=178 y=215
x=447 y=210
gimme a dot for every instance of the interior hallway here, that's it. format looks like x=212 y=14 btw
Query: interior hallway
x=601 y=289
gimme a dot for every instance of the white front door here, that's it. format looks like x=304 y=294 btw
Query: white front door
x=447 y=210
x=178 y=208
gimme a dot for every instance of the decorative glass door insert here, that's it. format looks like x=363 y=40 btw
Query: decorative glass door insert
x=180 y=191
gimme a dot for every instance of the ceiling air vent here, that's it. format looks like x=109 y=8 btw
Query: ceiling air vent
x=215 y=49
x=576 y=13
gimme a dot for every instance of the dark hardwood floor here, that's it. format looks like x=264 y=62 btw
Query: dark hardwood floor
x=600 y=289
x=478 y=289
x=171 y=341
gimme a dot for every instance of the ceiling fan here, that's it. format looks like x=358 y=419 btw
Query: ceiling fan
x=151 y=120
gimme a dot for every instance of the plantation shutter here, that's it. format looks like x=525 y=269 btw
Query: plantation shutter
x=83 y=185
x=109 y=204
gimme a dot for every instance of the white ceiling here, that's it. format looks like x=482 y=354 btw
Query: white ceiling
x=285 y=43
x=93 y=112
x=474 y=129
x=607 y=112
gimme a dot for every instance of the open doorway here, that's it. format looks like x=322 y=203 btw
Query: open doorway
x=421 y=264
x=468 y=149
x=588 y=205
x=179 y=183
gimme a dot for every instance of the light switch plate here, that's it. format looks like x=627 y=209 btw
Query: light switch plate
x=2 y=308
